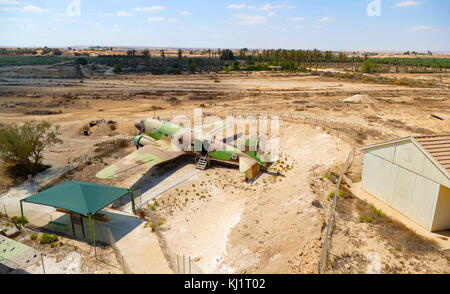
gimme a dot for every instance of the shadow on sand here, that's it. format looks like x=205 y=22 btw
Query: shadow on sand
x=108 y=232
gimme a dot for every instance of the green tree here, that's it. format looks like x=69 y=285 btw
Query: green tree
x=23 y=145
x=193 y=67
x=117 y=69
x=46 y=50
x=57 y=52
x=368 y=66
x=82 y=61
x=227 y=54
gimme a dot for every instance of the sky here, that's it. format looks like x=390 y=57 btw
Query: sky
x=369 y=25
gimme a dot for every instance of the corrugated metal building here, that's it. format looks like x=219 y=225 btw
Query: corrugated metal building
x=412 y=175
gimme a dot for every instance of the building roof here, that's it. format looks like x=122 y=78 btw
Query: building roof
x=437 y=148
x=79 y=197
x=16 y=255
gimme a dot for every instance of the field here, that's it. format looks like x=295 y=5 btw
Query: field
x=224 y=224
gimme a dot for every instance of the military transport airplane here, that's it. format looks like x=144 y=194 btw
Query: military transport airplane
x=202 y=144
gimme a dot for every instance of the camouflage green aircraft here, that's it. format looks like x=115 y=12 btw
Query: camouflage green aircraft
x=201 y=144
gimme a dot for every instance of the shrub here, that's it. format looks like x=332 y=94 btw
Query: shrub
x=192 y=67
x=20 y=220
x=82 y=61
x=23 y=145
x=48 y=239
x=33 y=237
x=365 y=219
x=377 y=212
x=342 y=194
x=368 y=66
x=117 y=69
x=331 y=194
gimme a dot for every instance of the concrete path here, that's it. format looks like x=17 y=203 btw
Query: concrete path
x=142 y=253
x=149 y=195
x=10 y=201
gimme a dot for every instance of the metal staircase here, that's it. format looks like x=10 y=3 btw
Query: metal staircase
x=202 y=163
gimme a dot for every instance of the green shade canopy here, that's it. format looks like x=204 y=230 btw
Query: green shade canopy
x=79 y=197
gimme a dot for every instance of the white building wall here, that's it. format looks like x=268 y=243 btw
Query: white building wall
x=397 y=183
x=442 y=216
x=412 y=158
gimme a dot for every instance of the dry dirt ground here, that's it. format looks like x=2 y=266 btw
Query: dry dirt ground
x=274 y=225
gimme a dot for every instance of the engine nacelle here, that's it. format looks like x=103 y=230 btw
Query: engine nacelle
x=142 y=140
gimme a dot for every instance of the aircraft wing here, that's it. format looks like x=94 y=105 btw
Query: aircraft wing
x=146 y=156
x=213 y=127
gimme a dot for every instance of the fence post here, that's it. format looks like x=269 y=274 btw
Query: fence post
x=42 y=260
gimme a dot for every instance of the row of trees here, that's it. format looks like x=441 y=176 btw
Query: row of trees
x=30 y=51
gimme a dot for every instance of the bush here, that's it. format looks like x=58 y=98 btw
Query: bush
x=82 y=61
x=365 y=219
x=331 y=194
x=20 y=220
x=377 y=212
x=48 y=239
x=33 y=237
x=193 y=67
x=23 y=145
x=117 y=69
x=368 y=66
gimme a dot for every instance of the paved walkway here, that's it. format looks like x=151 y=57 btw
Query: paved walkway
x=442 y=239
x=142 y=253
x=10 y=201
x=149 y=195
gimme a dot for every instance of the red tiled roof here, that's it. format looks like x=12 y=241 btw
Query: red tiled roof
x=438 y=146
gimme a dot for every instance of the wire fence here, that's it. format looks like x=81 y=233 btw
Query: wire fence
x=326 y=241
x=186 y=266
x=123 y=263
x=345 y=131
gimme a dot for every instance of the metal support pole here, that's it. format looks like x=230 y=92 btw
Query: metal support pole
x=133 y=204
x=91 y=229
x=21 y=210
x=93 y=234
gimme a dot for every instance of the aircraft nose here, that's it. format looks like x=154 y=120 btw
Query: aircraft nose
x=140 y=126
